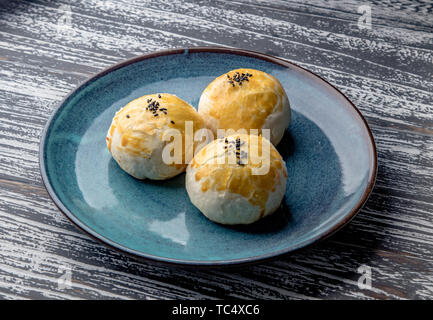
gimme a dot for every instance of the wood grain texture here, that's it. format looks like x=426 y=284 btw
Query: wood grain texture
x=386 y=71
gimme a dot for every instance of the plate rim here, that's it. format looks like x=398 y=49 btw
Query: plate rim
x=206 y=263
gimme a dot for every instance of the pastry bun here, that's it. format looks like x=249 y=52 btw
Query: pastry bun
x=137 y=136
x=241 y=191
x=246 y=99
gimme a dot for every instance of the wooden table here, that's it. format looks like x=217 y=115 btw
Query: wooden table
x=48 y=47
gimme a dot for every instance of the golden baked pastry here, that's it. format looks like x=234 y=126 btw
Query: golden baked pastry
x=246 y=99
x=136 y=138
x=238 y=179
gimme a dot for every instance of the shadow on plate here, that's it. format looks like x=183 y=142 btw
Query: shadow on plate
x=270 y=224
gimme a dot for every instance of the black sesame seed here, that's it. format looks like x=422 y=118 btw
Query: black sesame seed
x=127 y=115
x=238 y=78
x=172 y=121
x=159 y=96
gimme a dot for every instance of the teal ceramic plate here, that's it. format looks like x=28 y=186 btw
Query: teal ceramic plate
x=328 y=148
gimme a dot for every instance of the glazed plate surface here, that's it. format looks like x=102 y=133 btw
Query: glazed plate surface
x=328 y=149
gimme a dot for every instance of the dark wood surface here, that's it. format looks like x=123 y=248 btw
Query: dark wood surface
x=386 y=71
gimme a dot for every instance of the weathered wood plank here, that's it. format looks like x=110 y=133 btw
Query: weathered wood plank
x=300 y=271
x=85 y=31
x=386 y=72
x=373 y=98
x=406 y=14
x=378 y=100
x=57 y=56
x=398 y=51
